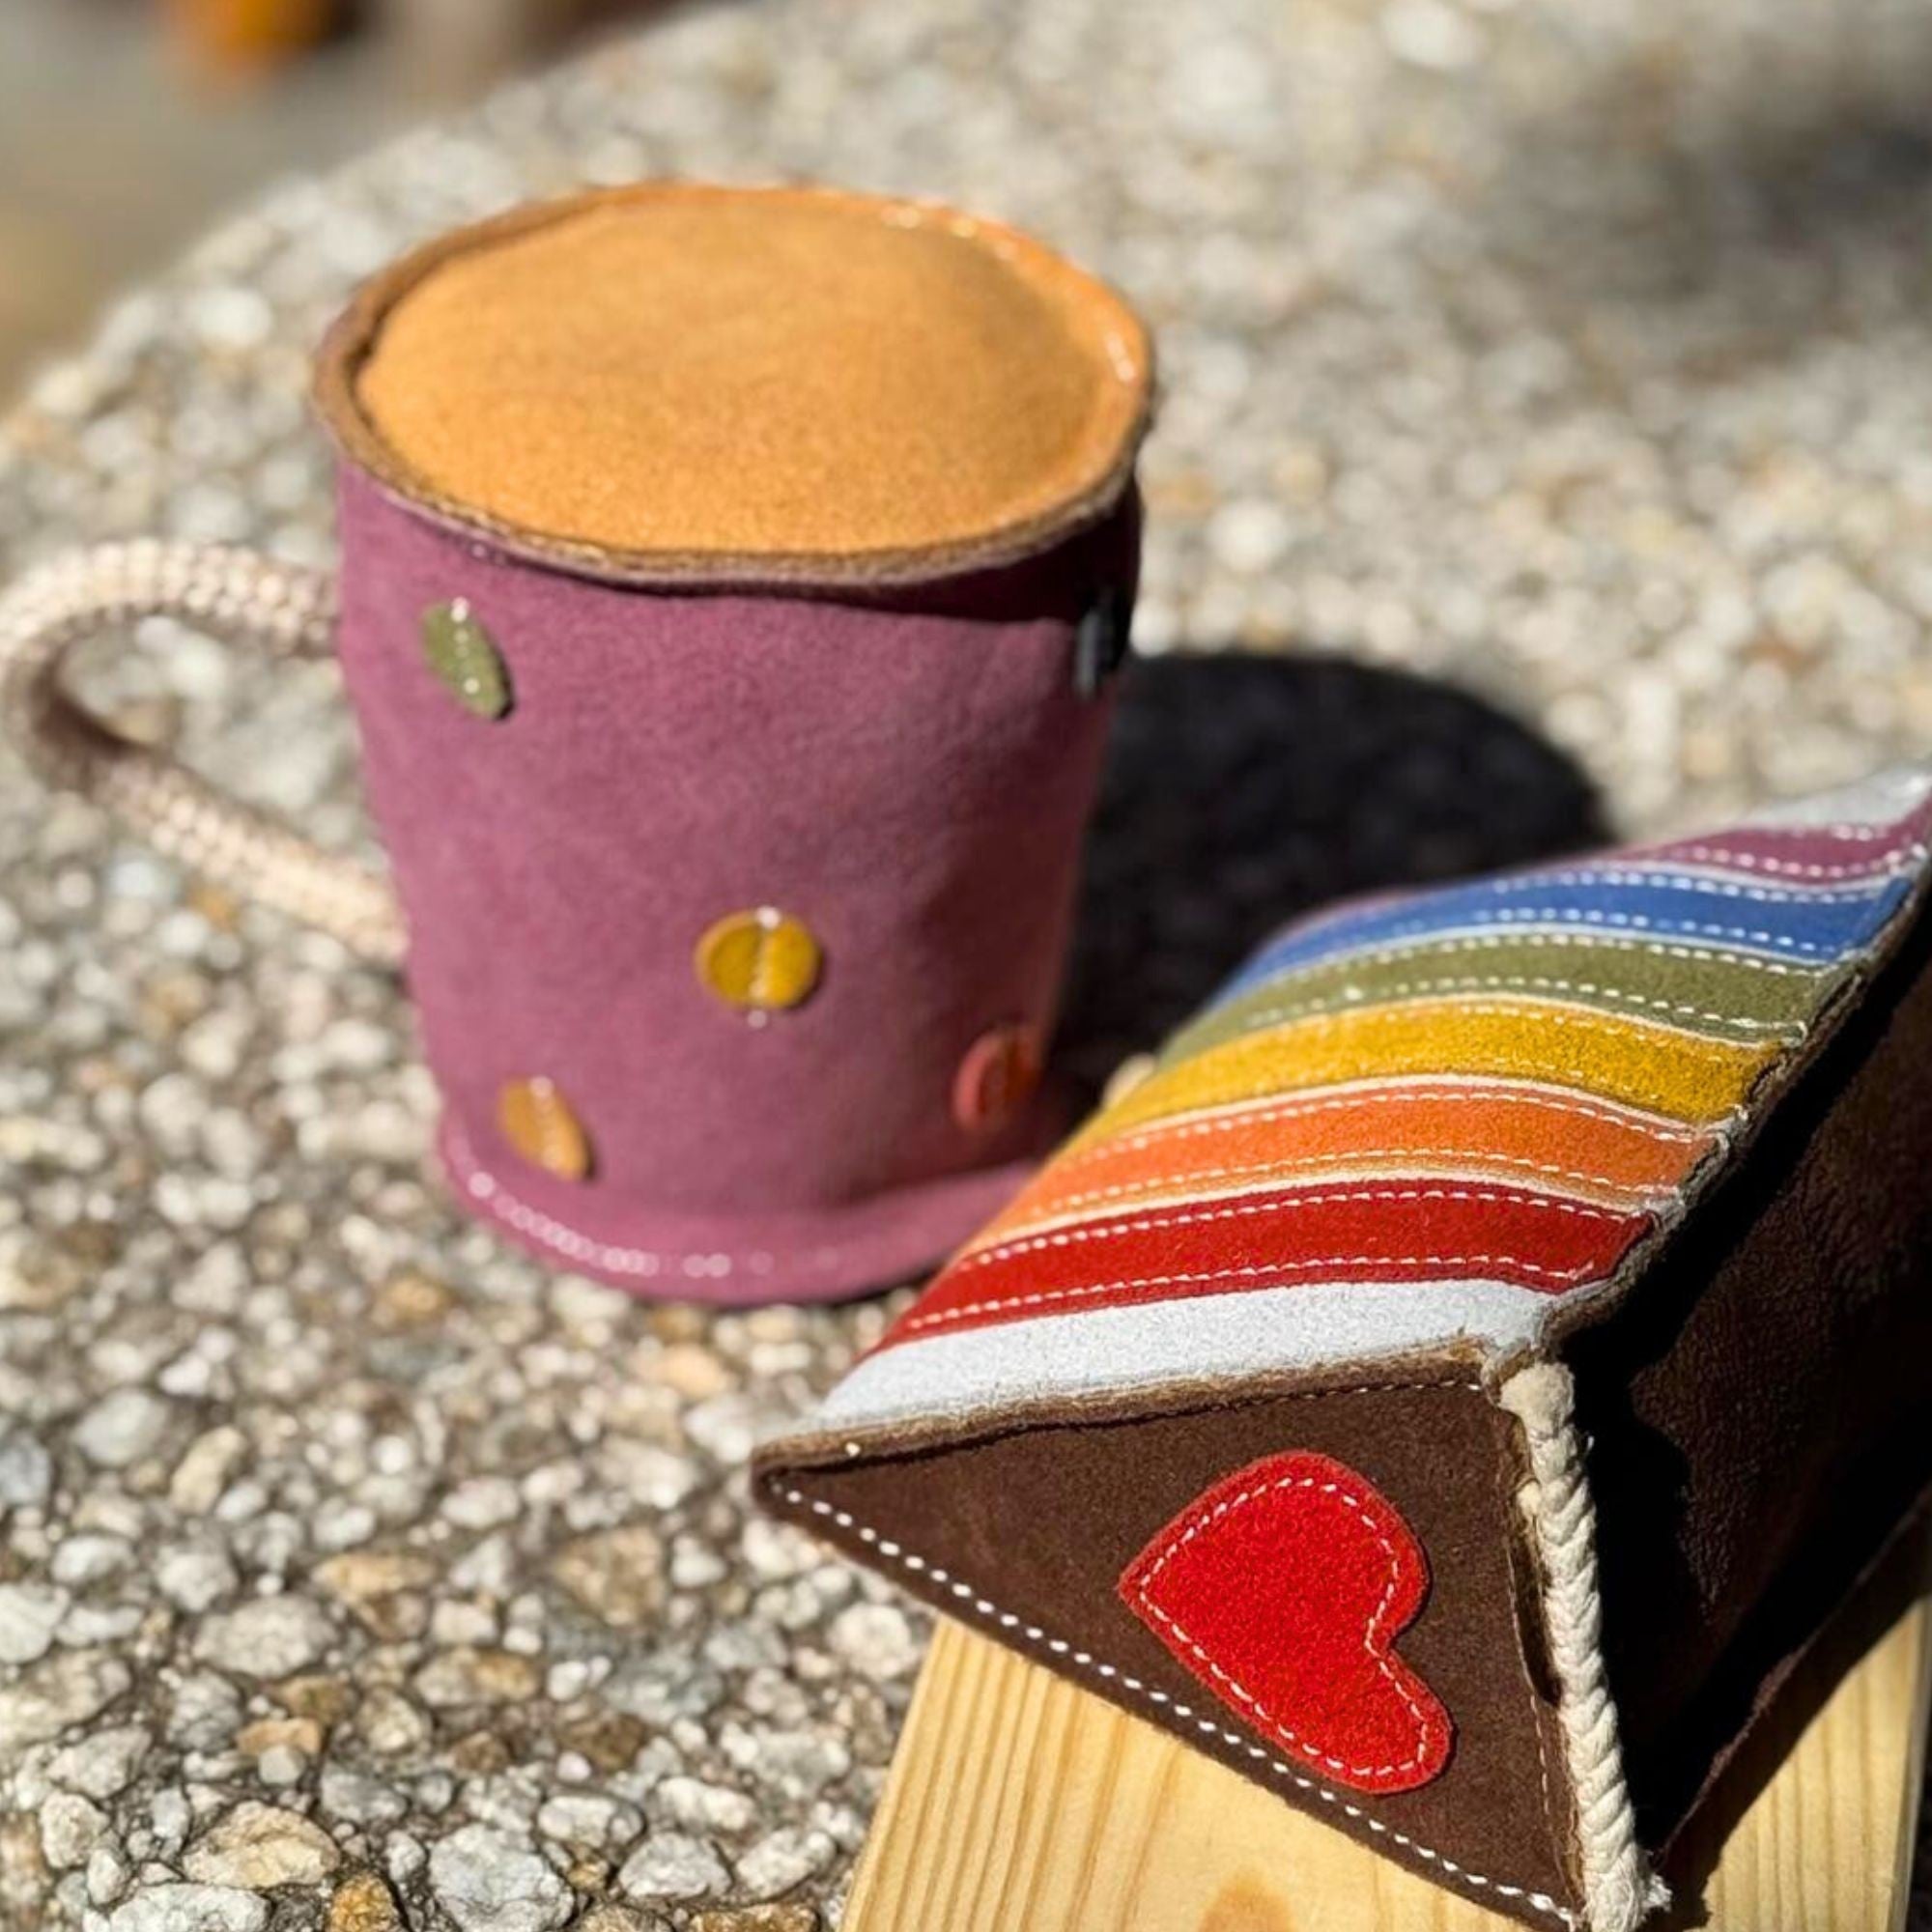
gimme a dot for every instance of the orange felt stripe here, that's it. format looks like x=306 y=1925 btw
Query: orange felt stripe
x=1551 y=1140
x=1628 y=1061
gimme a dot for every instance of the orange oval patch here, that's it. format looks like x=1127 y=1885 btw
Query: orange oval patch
x=543 y=1127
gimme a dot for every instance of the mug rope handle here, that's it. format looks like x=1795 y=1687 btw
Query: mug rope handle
x=234 y=594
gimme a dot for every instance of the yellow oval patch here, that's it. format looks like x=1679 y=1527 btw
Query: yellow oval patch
x=760 y=961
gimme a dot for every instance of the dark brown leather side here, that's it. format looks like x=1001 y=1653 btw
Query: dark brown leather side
x=1039 y=1522
x=1758 y=1410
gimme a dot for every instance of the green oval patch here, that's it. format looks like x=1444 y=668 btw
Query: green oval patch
x=465 y=658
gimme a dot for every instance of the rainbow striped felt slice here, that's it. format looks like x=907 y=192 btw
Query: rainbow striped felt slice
x=1420 y=1119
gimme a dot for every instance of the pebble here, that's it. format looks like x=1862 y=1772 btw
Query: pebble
x=619 y=1918
x=170 y=1815
x=799 y=1764
x=29 y=1616
x=203 y=1472
x=462 y=1624
x=697 y=1807
x=483 y=1503
x=259 y=1847
x=57 y=1693
x=877 y=1639
x=784 y=1858
x=280 y=1766
x=617 y=1574
x=355 y=1046
x=103 y=1764
x=272 y=1637
x=694 y=1566
x=194 y=1576
x=728 y=1426
x=108 y=1875
x=589 y=1818
x=1430 y=35
x=777 y=1551
x=673 y=1865
x=367 y=1580
x=169 y=1907
x=363 y=1903
x=103 y=1624
x=488 y=1881
x=608 y=1740
x=360 y=1797
x=122 y=1428
x=470 y=1676
x=301 y=1735
x=69 y=1827
x=204 y=1712
x=86 y=1559
x=759 y=1919
x=390 y=1724
x=321 y=1697
x=404 y=1856
x=26 y=1469
x=1250 y=536
x=381 y=1589
x=655 y=1476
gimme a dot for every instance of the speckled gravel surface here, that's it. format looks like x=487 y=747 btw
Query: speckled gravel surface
x=358 y=1571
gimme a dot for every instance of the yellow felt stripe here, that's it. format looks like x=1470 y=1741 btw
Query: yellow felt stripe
x=1681 y=1075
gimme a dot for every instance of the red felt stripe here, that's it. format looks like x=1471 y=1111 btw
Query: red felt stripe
x=1420 y=1230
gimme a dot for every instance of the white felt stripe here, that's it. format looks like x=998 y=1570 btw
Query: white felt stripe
x=967 y=1372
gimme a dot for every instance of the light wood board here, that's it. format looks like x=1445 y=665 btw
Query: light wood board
x=1018 y=1802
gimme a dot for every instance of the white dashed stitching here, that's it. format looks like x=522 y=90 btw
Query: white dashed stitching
x=1034 y=1635
x=1151 y=1224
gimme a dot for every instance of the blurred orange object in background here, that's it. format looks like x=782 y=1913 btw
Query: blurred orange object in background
x=241 y=36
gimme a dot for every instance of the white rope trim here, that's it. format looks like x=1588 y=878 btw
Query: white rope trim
x=233 y=594
x=1619 y=1890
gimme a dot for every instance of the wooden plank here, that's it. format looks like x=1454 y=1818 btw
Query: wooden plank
x=1018 y=1802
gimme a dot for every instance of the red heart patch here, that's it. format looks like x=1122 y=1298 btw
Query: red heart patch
x=1282 y=1590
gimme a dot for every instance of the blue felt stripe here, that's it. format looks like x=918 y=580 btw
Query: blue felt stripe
x=1816 y=927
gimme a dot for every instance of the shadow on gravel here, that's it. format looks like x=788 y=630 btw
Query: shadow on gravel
x=1242 y=790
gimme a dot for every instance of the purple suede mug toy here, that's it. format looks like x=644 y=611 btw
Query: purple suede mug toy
x=731 y=583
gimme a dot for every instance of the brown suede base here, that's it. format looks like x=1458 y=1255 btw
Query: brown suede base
x=1055 y=1514
x=1758 y=1408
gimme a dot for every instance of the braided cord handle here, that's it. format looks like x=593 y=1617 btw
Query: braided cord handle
x=230 y=593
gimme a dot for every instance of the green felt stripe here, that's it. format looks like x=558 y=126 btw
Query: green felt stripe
x=1723 y=995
